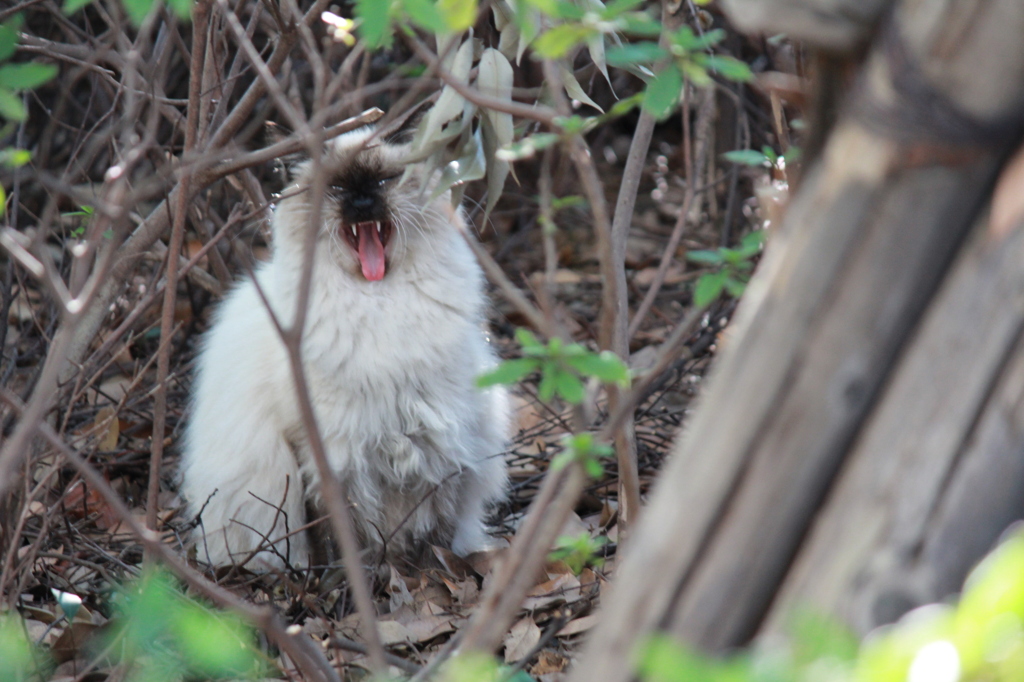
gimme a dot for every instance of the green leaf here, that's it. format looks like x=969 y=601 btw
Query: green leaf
x=72 y=6
x=709 y=288
x=508 y=372
x=9 y=36
x=559 y=40
x=181 y=8
x=26 y=76
x=617 y=7
x=569 y=387
x=640 y=24
x=527 y=339
x=705 y=257
x=137 y=10
x=426 y=15
x=3 y=200
x=374 y=21
x=527 y=147
x=730 y=68
x=747 y=157
x=606 y=366
x=663 y=92
x=753 y=240
x=459 y=15
x=15 y=158
x=635 y=53
x=735 y=287
x=548 y=382
x=11 y=106
x=697 y=74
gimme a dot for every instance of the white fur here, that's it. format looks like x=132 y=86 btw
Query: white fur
x=390 y=367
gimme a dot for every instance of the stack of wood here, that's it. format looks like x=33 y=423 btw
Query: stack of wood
x=861 y=443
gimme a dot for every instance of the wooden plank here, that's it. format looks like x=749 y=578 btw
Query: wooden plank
x=858 y=559
x=868 y=238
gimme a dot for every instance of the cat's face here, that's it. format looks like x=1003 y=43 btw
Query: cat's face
x=374 y=214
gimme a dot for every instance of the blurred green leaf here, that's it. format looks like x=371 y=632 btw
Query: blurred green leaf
x=508 y=372
x=606 y=366
x=548 y=383
x=26 y=76
x=709 y=288
x=374 y=22
x=459 y=15
x=426 y=15
x=705 y=257
x=11 y=106
x=734 y=287
x=559 y=40
x=697 y=74
x=663 y=92
x=527 y=339
x=20 y=661
x=527 y=147
x=9 y=36
x=72 y=6
x=747 y=157
x=635 y=53
x=640 y=24
x=568 y=386
x=181 y=8
x=213 y=644
x=15 y=158
x=137 y=10
x=617 y=7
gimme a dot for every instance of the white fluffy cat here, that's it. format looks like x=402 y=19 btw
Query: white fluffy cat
x=392 y=344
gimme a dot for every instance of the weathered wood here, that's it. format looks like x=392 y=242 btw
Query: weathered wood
x=838 y=25
x=863 y=248
x=940 y=465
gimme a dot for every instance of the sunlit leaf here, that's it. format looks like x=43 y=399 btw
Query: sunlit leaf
x=15 y=158
x=459 y=15
x=26 y=76
x=663 y=92
x=508 y=372
x=212 y=644
x=696 y=73
x=729 y=67
x=559 y=40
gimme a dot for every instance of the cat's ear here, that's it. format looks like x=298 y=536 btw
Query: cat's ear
x=286 y=166
x=401 y=130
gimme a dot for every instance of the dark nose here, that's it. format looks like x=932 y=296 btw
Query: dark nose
x=361 y=202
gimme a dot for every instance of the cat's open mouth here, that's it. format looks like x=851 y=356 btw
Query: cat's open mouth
x=368 y=239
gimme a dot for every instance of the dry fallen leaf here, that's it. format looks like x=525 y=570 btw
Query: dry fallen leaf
x=108 y=428
x=564 y=588
x=523 y=636
x=549 y=662
x=575 y=627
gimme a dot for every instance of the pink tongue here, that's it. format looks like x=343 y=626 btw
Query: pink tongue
x=371 y=252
